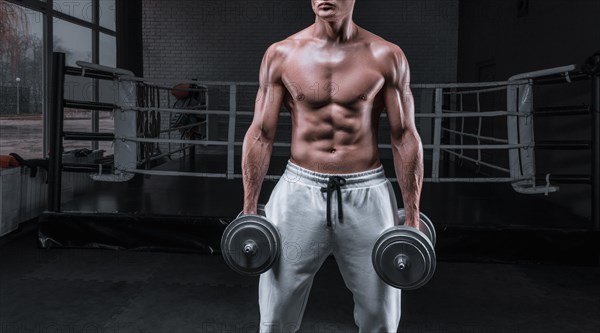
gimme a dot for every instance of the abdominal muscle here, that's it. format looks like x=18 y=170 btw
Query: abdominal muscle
x=334 y=140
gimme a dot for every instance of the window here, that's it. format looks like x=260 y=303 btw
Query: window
x=106 y=94
x=107 y=14
x=84 y=30
x=81 y=9
x=74 y=40
x=21 y=81
x=108 y=50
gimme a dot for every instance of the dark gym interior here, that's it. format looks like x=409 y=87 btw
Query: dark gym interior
x=144 y=254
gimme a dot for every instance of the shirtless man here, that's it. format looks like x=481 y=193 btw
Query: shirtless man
x=336 y=79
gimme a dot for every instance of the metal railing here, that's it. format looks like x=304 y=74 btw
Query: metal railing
x=447 y=126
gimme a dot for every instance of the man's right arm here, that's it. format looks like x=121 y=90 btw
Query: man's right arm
x=407 y=149
x=258 y=142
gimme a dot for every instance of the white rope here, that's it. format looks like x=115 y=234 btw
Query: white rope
x=485 y=138
x=194 y=142
x=173 y=141
x=465 y=92
x=466 y=85
x=277 y=177
x=459 y=90
x=479 y=114
x=473 y=147
x=283 y=144
x=479 y=129
x=473 y=160
x=170 y=110
x=156 y=82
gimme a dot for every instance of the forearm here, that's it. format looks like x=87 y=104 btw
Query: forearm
x=408 y=164
x=256 y=154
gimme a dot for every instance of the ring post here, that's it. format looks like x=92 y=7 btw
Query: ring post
x=437 y=135
x=231 y=134
x=596 y=144
x=125 y=152
x=56 y=131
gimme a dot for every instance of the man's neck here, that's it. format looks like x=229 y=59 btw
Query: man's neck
x=335 y=31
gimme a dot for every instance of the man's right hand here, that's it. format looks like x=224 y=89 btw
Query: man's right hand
x=250 y=211
x=412 y=224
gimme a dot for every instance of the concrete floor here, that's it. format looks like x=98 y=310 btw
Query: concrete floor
x=81 y=290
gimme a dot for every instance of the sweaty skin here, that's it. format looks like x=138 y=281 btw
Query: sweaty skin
x=336 y=79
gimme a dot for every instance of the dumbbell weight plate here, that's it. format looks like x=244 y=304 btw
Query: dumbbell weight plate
x=426 y=226
x=255 y=235
x=415 y=246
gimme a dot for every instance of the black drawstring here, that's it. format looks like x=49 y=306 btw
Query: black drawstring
x=335 y=183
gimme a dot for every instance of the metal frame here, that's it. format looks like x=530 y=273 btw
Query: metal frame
x=437 y=116
x=46 y=9
x=517 y=121
x=56 y=131
x=457 y=89
x=596 y=146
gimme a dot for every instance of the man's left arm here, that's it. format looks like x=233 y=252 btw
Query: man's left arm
x=407 y=150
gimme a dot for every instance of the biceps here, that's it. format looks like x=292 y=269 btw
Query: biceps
x=267 y=108
x=396 y=112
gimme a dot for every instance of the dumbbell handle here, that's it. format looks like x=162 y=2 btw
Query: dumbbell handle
x=250 y=247
x=401 y=261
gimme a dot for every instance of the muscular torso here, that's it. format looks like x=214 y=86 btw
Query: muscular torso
x=335 y=96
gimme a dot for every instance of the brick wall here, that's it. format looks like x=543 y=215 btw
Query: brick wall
x=225 y=39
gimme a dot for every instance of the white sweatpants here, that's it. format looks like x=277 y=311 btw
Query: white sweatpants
x=298 y=207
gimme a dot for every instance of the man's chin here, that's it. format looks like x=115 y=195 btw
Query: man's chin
x=326 y=13
x=327 y=16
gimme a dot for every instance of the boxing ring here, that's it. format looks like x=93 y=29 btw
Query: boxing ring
x=472 y=133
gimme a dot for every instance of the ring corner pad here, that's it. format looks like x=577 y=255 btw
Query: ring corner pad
x=530 y=187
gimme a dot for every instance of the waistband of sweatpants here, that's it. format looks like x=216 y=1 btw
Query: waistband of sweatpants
x=296 y=173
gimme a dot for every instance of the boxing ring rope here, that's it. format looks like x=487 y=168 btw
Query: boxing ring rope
x=127 y=138
x=447 y=123
x=231 y=130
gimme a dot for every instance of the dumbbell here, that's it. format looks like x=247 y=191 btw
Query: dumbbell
x=404 y=257
x=251 y=243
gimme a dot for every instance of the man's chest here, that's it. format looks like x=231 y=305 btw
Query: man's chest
x=328 y=77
